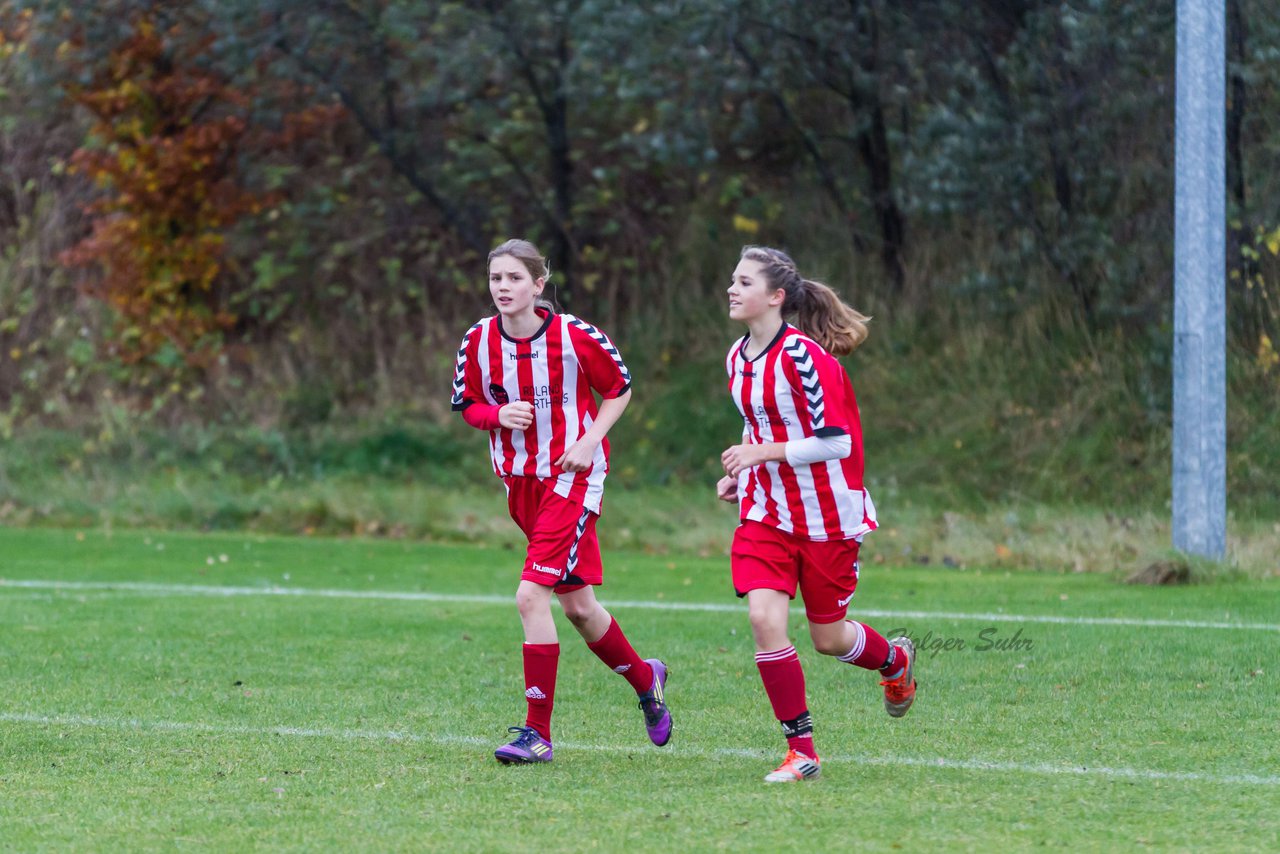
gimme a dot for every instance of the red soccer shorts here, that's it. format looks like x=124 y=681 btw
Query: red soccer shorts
x=765 y=558
x=563 y=550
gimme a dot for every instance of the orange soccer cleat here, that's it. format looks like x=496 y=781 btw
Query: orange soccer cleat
x=794 y=768
x=900 y=692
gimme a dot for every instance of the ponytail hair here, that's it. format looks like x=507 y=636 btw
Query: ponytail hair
x=818 y=310
x=528 y=255
x=824 y=317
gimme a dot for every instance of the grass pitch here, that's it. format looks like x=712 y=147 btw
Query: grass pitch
x=162 y=691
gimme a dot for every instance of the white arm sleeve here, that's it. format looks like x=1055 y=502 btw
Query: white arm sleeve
x=817 y=449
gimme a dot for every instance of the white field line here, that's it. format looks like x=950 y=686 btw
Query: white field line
x=156 y=589
x=942 y=763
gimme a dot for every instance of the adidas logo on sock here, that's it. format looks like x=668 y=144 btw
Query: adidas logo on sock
x=622 y=668
x=535 y=693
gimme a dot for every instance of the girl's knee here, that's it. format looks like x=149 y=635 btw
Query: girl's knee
x=829 y=638
x=578 y=614
x=829 y=646
x=529 y=603
x=765 y=623
x=581 y=607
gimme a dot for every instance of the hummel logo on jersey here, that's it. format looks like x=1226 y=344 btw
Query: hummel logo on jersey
x=532 y=354
x=622 y=668
x=844 y=601
x=535 y=693
x=537 y=567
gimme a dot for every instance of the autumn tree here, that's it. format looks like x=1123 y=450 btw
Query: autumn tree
x=166 y=148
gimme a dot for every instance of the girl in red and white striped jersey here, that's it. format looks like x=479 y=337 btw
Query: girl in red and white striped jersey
x=797 y=478
x=530 y=377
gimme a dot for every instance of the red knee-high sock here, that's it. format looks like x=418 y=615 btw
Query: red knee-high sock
x=870 y=650
x=540 y=663
x=615 y=650
x=783 y=679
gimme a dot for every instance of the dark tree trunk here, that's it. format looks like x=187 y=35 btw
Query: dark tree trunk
x=873 y=147
x=556 y=115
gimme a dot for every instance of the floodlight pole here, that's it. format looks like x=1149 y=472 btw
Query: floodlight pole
x=1199 y=285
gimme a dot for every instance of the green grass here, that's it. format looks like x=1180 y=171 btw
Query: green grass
x=163 y=717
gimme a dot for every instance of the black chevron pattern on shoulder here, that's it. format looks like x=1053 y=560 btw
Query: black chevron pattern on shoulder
x=808 y=371
x=604 y=342
x=460 y=368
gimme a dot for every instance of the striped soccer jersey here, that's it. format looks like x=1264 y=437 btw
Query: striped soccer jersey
x=557 y=370
x=792 y=390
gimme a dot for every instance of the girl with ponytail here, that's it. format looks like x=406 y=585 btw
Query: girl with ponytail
x=818 y=310
x=797 y=479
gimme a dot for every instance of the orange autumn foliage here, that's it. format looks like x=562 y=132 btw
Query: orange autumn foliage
x=166 y=144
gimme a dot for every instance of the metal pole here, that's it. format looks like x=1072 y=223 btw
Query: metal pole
x=1199 y=299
